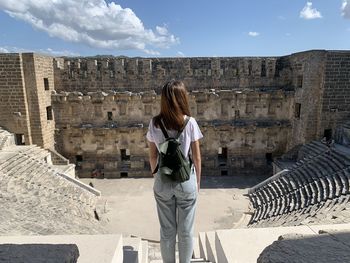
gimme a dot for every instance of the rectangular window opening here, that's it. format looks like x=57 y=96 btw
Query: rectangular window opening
x=46 y=84
x=269 y=158
x=125 y=154
x=49 y=115
x=327 y=134
x=110 y=115
x=19 y=139
x=224 y=173
x=263 y=69
x=78 y=161
x=297 y=110
x=123 y=175
x=79 y=158
x=222 y=156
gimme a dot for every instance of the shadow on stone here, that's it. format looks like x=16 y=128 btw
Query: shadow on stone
x=226 y=182
x=129 y=254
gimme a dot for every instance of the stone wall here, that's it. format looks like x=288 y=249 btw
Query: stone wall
x=14 y=114
x=240 y=129
x=25 y=98
x=140 y=74
x=308 y=75
x=336 y=97
x=38 y=76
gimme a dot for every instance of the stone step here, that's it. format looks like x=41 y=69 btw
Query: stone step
x=144 y=249
x=132 y=250
x=211 y=247
x=196 y=250
x=202 y=245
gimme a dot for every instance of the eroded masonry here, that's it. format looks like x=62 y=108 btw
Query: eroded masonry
x=95 y=110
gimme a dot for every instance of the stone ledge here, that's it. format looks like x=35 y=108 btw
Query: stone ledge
x=92 y=248
x=231 y=245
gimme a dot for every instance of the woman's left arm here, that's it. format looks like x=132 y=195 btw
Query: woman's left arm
x=153 y=155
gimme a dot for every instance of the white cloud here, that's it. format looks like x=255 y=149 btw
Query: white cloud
x=4 y=50
x=180 y=54
x=162 y=30
x=47 y=51
x=345 y=9
x=58 y=53
x=309 y=13
x=92 y=22
x=253 y=34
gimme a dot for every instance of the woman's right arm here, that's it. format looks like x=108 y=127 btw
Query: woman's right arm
x=196 y=156
x=153 y=156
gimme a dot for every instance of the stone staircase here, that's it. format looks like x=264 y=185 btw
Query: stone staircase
x=136 y=250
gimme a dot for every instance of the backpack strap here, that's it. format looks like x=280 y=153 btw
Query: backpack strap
x=161 y=125
x=183 y=127
x=165 y=133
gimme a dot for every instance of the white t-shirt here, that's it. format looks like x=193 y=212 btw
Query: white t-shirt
x=191 y=133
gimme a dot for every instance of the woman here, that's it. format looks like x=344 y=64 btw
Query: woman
x=176 y=202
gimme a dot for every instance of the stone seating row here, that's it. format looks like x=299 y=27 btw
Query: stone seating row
x=311 y=180
x=24 y=170
x=335 y=211
x=317 y=148
x=312 y=149
x=39 y=200
x=298 y=199
x=305 y=174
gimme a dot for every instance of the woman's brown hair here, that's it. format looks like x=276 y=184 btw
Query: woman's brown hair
x=173 y=105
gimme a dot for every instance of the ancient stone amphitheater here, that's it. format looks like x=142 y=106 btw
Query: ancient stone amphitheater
x=65 y=118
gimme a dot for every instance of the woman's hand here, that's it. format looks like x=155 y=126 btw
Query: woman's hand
x=153 y=156
x=197 y=161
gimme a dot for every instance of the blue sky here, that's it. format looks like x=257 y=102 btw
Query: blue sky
x=173 y=28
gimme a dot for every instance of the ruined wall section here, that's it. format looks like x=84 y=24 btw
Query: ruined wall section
x=14 y=114
x=142 y=74
x=119 y=109
x=240 y=128
x=336 y=97
x=39 y=79
x=307 y=78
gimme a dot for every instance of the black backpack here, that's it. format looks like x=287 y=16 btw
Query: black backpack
x=171 y=161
